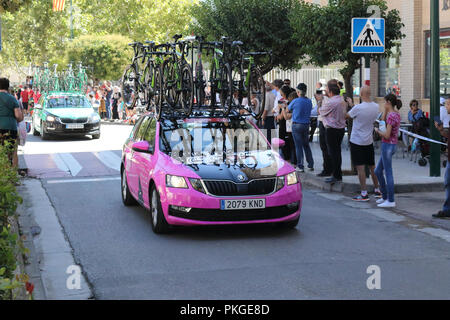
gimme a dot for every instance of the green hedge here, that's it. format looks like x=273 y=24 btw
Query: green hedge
x=9 y=241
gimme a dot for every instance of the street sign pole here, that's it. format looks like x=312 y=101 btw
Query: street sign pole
x=435 y=166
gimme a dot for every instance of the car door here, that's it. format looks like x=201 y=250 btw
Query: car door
x=134 y=164
x=146 y=163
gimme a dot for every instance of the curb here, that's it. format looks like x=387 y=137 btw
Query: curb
x=116 y=123
x=310 y=179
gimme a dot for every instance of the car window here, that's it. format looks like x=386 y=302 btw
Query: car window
x=151 y=133
x=136 y=127
x=68 y=102
x=142 y=129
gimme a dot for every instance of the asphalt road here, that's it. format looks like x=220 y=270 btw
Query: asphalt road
x=326 y=257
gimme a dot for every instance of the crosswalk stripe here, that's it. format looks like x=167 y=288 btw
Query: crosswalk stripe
x=67 y=163
x=109 y=159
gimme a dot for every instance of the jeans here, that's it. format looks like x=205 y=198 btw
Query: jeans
x=327 y=166
x=446 y=207
x=385 y=164
x=300 y=133
x=334 y=142
x=108 y=109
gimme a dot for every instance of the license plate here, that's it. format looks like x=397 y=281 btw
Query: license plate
x=242 y=204
x=74 y=126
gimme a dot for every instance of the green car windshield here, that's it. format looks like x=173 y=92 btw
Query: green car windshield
x=68 y=102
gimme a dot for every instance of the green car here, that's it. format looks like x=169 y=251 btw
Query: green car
x=63 y=113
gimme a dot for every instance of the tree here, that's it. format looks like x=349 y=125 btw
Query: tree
x=324 y=33
x=106 y=56
x=33 y=34
x=156 y=20
x=12 y=5
x=262 y=25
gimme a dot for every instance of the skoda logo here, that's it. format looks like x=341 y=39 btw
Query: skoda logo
x=241 y=177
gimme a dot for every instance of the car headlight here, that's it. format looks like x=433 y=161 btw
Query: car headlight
x=51 y=119
x=197 y=185
x=94 y=118
x=280 y=183
x=292 y=178
x=176 y=182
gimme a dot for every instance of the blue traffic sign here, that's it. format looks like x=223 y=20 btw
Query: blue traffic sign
x=368 y=35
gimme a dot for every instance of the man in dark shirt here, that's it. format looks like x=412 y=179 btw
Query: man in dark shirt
x=445 y=213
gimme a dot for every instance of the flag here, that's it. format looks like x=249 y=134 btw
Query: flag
x=58 y=5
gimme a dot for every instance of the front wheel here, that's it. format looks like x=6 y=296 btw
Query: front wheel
x=159 y=223
x=187 y=90
x=156 y=98
x=128 y=87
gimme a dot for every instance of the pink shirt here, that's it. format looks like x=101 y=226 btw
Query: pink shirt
x=333 y=113
x=394 y=120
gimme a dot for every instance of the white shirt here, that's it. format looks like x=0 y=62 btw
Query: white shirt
x=444 y=116
x=278 y=97
x=364 y=116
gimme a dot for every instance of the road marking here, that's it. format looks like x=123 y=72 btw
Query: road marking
x=439 y=233
x=109 y=159
x=82 y=180
x=67 y=163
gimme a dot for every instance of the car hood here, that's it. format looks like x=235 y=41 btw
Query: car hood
x=238 y=167
x=72 y=113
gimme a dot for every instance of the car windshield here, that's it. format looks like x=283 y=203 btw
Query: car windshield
x=200 y=140
x=68 y=102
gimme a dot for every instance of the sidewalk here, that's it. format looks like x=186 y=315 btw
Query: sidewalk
x=408 y=175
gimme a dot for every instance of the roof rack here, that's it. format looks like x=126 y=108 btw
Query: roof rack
x=204 y=113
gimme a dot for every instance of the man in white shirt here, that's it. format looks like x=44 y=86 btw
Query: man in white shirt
x=361 y=141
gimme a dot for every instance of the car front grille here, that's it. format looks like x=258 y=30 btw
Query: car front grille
x=217 y=215
x=79 y=120
x=230 y=188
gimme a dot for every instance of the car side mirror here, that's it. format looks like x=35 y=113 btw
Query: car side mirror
x=142 y=146
x=278 y=143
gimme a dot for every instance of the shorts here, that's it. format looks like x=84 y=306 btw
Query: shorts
x=25 y=105
x=362 y=155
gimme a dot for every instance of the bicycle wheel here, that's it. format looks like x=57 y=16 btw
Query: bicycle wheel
x=226 y=92
x=148 y=79
x=213 y=79
x=128 y=87
x=199 y=85
x=187 y=89
x=257 y=88
x=156 y=99
x=169 y=83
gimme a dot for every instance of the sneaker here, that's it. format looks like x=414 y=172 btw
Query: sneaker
x=361 y=198
x=378 y=194
x=380 y=200
x=387 y=204
x=441 y=214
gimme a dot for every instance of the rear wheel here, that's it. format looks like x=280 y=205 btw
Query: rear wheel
x=226 y=93
x=256 y=88
x=187 y=90
x=159 y=223
x=148 y=79
x=214 y=80
x=127 y=198
x=169 y=84
x=128 y=86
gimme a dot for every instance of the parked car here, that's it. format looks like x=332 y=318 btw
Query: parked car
x=63 y=113
x=199 y=171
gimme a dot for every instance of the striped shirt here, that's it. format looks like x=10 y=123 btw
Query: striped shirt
x=333 y=113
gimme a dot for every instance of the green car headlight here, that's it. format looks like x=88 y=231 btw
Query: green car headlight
x=50 y=119
x=197 y=185
x=280 y=183
x=176 y=182
x=94 y=118
x=292 y=178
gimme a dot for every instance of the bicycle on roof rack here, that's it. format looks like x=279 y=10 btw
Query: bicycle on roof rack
x=132 y=83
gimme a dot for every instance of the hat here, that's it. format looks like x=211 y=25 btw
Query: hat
x=302 y=87
x=442 y=101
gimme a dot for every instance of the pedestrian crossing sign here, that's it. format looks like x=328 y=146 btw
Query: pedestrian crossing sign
x=368 y=35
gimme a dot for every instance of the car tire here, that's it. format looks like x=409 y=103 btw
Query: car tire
x=127 y=198
x=159 y=222
x=96 y=136
x=290 y=224
x=44 y=135
x=35 y=132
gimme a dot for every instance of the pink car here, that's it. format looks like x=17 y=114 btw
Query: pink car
x=208 y=171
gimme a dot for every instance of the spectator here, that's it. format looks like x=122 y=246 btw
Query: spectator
x=341 y=88
x=361 y=141
x=25 y=96
x=10 y=114
x=320 y=100
x=388 y=148
x=268 y=122
x=445 y=212
x=289 y=152
x=301 y=114
x=102 y=107
x=287 y=82
x=277 y=84
x=116 y=98
x=444 y=116
x=282 y=103
x=415 y=113
x=108 y=94
x=333 y=118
